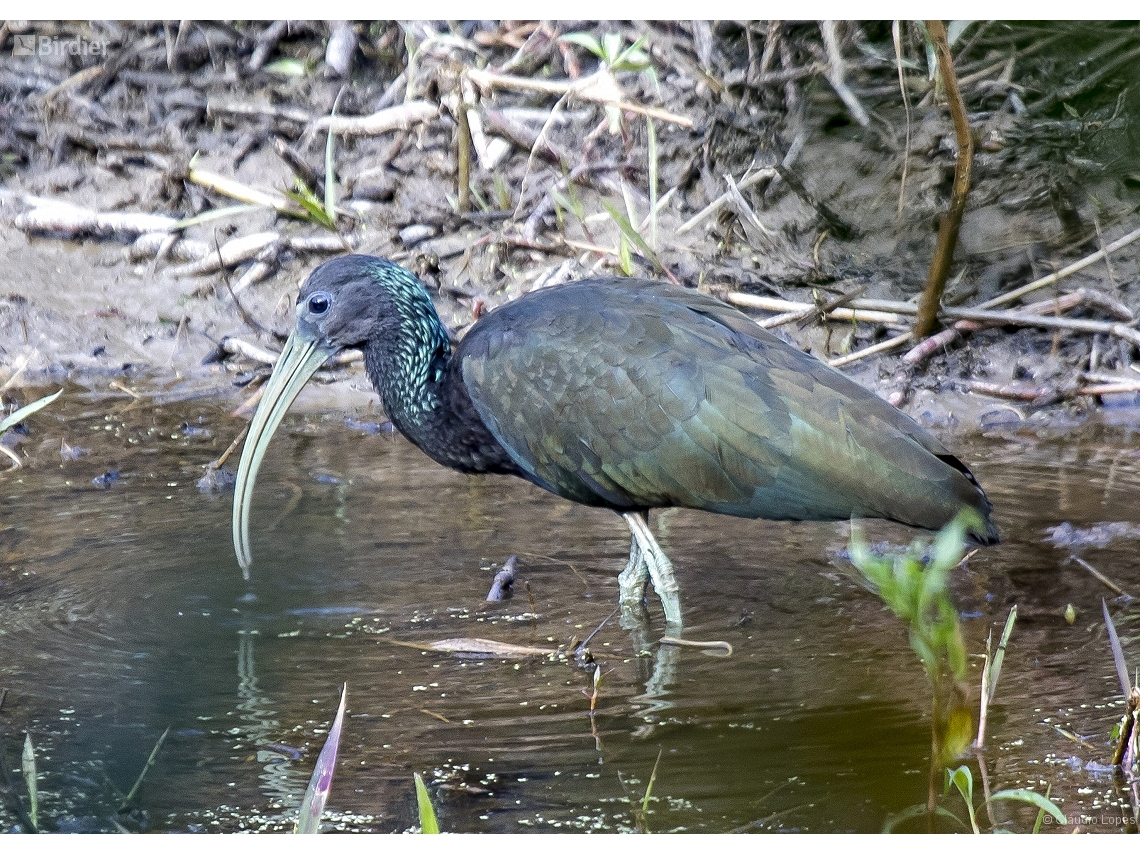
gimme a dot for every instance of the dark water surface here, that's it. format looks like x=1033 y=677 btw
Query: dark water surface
x=123 y=612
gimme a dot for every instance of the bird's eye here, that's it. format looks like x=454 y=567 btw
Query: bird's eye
x=319 y=303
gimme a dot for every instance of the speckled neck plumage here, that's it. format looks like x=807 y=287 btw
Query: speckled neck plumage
x=409 y=363
x=406 y=361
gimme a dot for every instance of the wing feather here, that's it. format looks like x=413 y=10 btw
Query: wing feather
x=632 y=395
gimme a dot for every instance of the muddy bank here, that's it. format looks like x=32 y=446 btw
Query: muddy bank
x=165 y=193
x=160 y=119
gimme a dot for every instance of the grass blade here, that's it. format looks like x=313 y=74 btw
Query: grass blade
x=28 y=766
x=317 y=793
x=25 y=411
x=1117 y=650
x=584 y=40
x=215 y=214
x=330 y=168
x=631 y=234
x=651 y=132
x=915 y=811
x=963 y=781
x=1031 y=798
x=999 y=654
x=428 y=822
x=313 y=209
x=652 y=778
x=145 y=769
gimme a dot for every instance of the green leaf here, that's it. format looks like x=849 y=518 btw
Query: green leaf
x=630 y=232
x=27 y=410
x=950 y=543
x=633 y=58
x=317 y=793
x=287 y=67
x=625 y=260
x=611 y=48
x=216 y=214
x=28 y=767
x=958 y=733
x=1113 y=643
x=954 y=31
x=146 y=768
x=330 y=175
x=1071 y=110
x=1041 y=813
x=428 y=822
x=308 y=200
x=915 y=811
x=963 y=780
x=584 y=40
x=1029 y=797
x=999 y=655
x=651 y=143
x=652 y=775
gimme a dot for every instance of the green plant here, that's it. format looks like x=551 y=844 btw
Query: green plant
x=1126 y=733
x=288 y=67
x=322 y=214
x=129 y=797
x=28 y=767
x=917 y=591
x=641 y=813
x=611 y=52
x=310 y=204
x=317 y=793
x=991 y=673
x=615 y=56
x=428 y=822
x=963 y=781
x=915 y=586
x=13 y=419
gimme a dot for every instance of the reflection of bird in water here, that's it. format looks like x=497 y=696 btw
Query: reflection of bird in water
x=623 y=394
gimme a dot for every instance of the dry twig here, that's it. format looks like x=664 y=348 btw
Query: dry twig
x=836 y=71
x=598 y=87
x=1037 y=284
x=952 y=221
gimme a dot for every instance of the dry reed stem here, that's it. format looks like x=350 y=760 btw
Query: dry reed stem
x=952 y=221
x=1076 y=266
x=400 y=117
x=598 y=87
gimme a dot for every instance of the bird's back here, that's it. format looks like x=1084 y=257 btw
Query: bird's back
x=633 y=394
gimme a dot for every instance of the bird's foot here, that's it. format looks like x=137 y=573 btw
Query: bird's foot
x=631 y=588
x=671 y=603
x=660 y=569
x=631 y=583
x=646 y=558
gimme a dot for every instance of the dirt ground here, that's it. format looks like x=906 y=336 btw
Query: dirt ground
x=125 y=120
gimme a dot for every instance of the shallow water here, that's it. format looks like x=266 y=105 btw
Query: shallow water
x=123 y=612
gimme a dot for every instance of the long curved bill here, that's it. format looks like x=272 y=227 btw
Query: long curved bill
x=298 y=362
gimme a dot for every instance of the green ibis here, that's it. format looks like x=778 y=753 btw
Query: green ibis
x=623 y=394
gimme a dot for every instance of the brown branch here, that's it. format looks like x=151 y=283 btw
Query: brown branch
x=463 y=156
x=948 y=230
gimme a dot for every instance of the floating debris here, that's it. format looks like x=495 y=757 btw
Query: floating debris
x=106 y=480
x=1099 y=535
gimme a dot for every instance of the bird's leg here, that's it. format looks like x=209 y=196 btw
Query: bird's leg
x=631 y=580
x=631 y=585
x=659 y=567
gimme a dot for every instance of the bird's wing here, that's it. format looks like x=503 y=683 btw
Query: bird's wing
x=637 y=395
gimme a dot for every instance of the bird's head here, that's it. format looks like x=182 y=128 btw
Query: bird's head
x=356 y=298
x=351 y=301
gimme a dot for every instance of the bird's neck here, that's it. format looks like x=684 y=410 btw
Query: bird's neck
x=422 y=390
x=407 y=362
